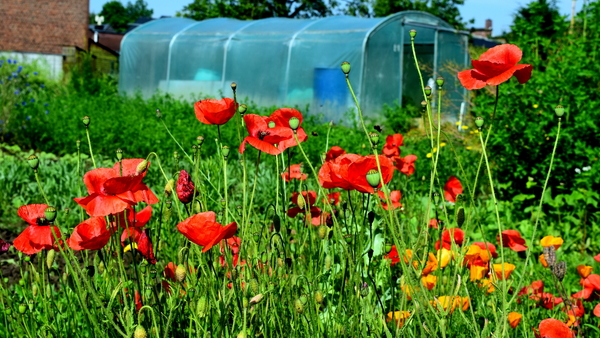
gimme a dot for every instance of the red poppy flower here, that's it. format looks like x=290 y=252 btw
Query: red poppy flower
x=334 y=153
x=134 y=219
x=448 y=235
x=597 y=258
x=576 y=310
x=305 y=205
x=212 y=111
x=395 y=197
x=203 y=229
x=488 y=246
x=433 y=223
x=282 y=117
x=392 y=145
x=512 y=239
x=332 y=198
x=591 y=284
x=406 y=165
x=185 y=187
x=294 y=172
x=393 y=256
x=554 y=328
x=91 y=234
x=262 y=137
x=233 y=244
x=495 y=66
x=39 y=234
x=112 y=190
x=357 y=172
x=548 y=301
x=536 y=288
x=333 y=174
x=452 y=188
x=597 y=310
x=138 y=301
x=169 y=271
x=144 y=246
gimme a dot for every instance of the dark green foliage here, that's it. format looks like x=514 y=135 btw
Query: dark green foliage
x=447 y=10
x=256 y=9
x=119 y=17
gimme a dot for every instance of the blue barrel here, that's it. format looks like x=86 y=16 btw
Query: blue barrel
x=330 y=89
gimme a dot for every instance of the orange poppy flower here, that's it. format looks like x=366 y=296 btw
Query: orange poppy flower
x=514 y=318
x=429 y=281
x=543 y=261
x=584 y=270
x=202 y=229
x=477 y=272
x=451 y=302
x=213 y=111
x=495 y=66
x=399 y=317
x=549 y=241
x=507 y=267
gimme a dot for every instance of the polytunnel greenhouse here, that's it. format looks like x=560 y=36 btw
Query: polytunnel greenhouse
x=296 y=62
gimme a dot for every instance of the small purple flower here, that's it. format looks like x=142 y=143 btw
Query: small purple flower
x=19 y=69
x=27 y=84
x=45 y=105
x=28 y=118
x=14 y=62
x=47 y=112
x=4 y=246
x=9 y=77
x=17 y=92
x=35 y=73
x=0 y=65
x=23 y=103
x=9 y=61
x=42 y=86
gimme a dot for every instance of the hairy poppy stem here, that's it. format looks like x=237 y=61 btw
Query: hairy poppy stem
x=487 y=137
x=87 y=133
x=176 y=142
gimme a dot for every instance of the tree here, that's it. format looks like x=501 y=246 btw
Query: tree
x=119 y=17
x=447 y=10
x=257 y=9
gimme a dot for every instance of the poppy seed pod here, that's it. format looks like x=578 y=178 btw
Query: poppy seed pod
x=413 y=33
x=242 y=109
x=428 y=91
x=559 y=110
x=78 y=143
x=294 y=123
x=86 y=121
x=225 y=151
x=346 y=67
x=424 y=105
x=301 y=202
x=439 y=81
x=169 y=187
x=140 y=332
x=256 y=299
x=119 y=154
x=373 y=178
x=328 y=261
x=233 y=86
x=299 y=305
x=33 y=161
x=141 y=168
x=22 y=308
x=559 y=270
x=271 y=124
x=50 y=258
x=50 y=214
x=158 y=113
x=199 y=140
x=319 y=296
x=479 y=122
x=323 y=231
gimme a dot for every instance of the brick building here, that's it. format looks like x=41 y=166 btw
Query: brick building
x=43 y=30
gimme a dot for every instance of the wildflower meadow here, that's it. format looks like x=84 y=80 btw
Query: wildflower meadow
x=222 y=219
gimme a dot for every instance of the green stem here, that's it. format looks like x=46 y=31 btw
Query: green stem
x=87 y=133
x=39 y=183
x=487 y=137
x=176 y=142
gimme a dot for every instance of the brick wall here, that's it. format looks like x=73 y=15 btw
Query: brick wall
x=43 y=26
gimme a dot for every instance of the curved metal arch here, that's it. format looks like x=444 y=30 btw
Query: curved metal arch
x=226 y=48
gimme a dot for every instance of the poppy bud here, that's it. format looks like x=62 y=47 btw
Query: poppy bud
x=328 y=261
x=319 y=296
x=140 y=332
x=388 y=247
x=198 y=208
x=22 y=308
x=277 y=221
x=348 y=238
x=141 y=168
x=271 y=124
x=479 y=122
x=86 y=121
x=294 y=123
x=180 y=273
x=168 y=211
x=301 y=202
x=244 y=303
x=242 y=109
x=256 y=299
x=50 y=258
x=323 y=231
x=78 y=143
x=185 y=187
x=559 y=110
x=374 y=138
x=201 y=307
x=199 y=140
x=169 y=187
x=427 y=91
x=158 y=113
x=119 y=154
x=34 y=290
x=50 y=214
x=253 y=285
x=8 y=311
x=233 y=86
x=225 y=151
x=299 y=305
x=346 y=67
x=373 y=178
x=33 y=161
x=413 y=33
x=439 y=81
x=460 y=217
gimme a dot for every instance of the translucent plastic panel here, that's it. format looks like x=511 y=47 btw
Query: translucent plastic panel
x=452 y=52
x=144 y=54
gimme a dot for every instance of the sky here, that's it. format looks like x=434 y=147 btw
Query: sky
x=501 y=12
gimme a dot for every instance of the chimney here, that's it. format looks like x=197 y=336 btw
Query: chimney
x=488 y=24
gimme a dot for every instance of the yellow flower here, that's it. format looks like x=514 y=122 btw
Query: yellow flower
x=453 y=302
x=458 y=123
x=444 y=256
x=469 y=148
x=535 y=106
x=487 y=283
x=465 y=127
x=443 y=144
x=429 y=155
x=478 y=272
x=130 y=247
x=429 y=281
